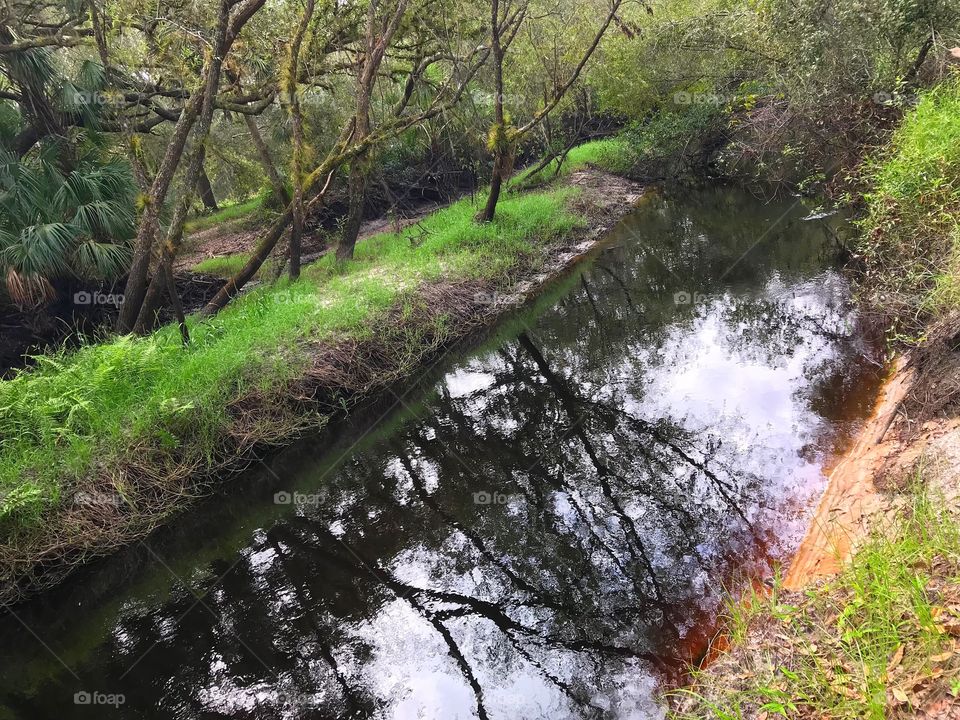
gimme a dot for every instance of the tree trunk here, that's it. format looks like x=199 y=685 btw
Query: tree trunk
x=200 y=104
x=204 y=188
x=499 y=131
x=496 y=183
x=358 y=191
x=296 y=117
x=276 y=182
x=259 y=256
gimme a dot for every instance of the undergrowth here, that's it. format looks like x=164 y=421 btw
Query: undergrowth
x=879 y=640
x=79 y=415
x=911 y=241
x=227 y=213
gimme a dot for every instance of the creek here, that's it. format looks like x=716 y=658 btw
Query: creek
x=545 y=524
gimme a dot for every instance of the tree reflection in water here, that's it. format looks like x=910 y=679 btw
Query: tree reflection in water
x=549 y=535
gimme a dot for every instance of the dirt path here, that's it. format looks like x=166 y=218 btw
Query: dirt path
x=235 y=237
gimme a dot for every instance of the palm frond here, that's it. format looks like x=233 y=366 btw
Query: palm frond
x=43 y=249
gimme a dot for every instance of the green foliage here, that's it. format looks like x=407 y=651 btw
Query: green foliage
x=798 y=80
x=674 y=141
x=54 y=225
x=911 y=240
x=91 y=408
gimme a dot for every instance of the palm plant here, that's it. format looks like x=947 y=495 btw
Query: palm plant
x=66 y=210
x=55 y=225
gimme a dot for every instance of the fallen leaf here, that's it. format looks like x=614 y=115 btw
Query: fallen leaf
x=895 y=660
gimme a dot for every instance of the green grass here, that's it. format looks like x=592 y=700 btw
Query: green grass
x=224 y=265
x=227 y=213
x=615 y=155
x=856 y=646
x=81 y=414
x=666 y=144
x=912 y=225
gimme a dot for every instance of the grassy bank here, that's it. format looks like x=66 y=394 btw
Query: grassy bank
x=98 y=445
x=911 y=240
x=881 y=640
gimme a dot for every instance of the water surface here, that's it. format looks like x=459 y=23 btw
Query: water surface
x=544 y=527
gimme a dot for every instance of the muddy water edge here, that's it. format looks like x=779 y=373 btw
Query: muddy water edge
x=545 y=525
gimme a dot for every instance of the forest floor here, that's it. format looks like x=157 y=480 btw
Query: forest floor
x=220 y=246
x=104 y=443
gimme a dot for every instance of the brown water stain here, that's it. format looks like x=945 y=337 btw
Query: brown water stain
x=843 y=515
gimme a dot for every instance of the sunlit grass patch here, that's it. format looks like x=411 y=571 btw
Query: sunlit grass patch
x=82 y=413
x=223 y=265
x=227 y=213
x=615 y=155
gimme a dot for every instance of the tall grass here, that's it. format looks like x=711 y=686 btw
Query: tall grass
x=912 y=226
x=78 y=414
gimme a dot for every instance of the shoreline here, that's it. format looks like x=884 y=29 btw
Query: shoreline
x=435 y=316
x=843 y=514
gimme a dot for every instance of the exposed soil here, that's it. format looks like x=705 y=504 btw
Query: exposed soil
x=915 y=421
x=913 y=433
x=238 y=237
x=843 y=516
x=158 y=482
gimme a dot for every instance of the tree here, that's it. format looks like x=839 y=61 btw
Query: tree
x=462 y=64
x=198 y=110
x=503 y=137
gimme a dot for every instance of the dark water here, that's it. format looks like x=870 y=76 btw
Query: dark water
x=542 y=528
